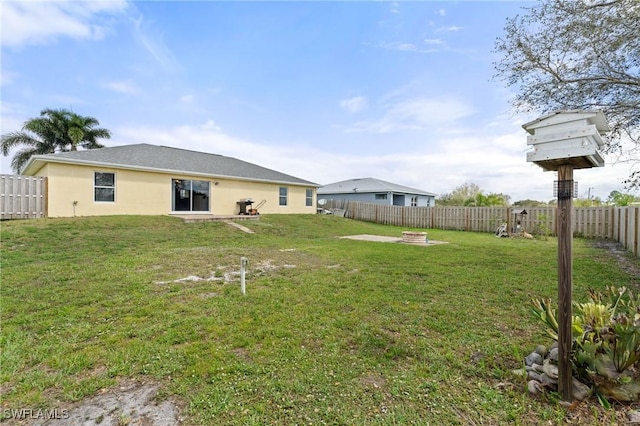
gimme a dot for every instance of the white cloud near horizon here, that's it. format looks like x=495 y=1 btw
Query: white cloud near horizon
x=493 y=160
x=28 y=23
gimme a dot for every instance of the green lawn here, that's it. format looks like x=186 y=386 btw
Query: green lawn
x=331 y=331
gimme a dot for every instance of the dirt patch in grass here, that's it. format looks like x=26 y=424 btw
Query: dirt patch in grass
x=385 y=239
x=623 y=258
x=129 y=403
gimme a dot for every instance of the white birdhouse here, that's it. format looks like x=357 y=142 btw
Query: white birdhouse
x=572 y=137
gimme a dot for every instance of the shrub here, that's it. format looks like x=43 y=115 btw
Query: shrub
x=606 y=341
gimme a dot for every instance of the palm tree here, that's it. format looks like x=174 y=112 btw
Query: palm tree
x=82 y=131
x=55 y=130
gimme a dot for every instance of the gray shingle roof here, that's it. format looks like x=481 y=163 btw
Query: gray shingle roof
x=367 y=185
x=166 y=159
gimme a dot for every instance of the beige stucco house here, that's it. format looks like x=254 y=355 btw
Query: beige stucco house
x=146 y=179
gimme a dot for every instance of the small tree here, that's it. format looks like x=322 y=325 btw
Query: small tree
x=617 y=198
x=459 y=195
x=564 y=54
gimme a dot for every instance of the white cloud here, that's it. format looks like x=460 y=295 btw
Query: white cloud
x=152 y=41
x=441 y=12
x=354 y=104
x=434 y=42
x=187 y=99
x=27 y=22
x=125 y=86
x=415 y=114
x=7 y=77
x=404 y=47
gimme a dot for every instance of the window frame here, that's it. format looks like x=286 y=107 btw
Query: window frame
x=190 y=193
x=308 y=198
x=111 y=187
x=283 y=199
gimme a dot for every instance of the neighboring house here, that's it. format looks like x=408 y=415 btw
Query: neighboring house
x=371 y=190
x=148 y=179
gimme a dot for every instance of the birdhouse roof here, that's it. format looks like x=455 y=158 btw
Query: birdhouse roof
x=594 y=117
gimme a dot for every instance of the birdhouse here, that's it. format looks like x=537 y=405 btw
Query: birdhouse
x=519 y=215
x=570 y=137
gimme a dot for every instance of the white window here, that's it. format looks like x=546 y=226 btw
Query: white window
x=414 y=201
x=309 y=198
x=104 y=187
x=283 y=196
x=381 y=196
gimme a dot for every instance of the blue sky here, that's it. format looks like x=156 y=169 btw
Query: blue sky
x=325 y=91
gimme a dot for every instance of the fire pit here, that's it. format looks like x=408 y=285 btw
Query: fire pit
x=414 y=237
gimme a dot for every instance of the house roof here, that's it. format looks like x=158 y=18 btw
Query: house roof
x=368 y=185
x=154 y=158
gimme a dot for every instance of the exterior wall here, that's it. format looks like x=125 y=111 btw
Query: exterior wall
x=392 y=198
x=71 y=193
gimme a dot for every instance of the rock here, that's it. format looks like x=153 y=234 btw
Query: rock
x=533 y=358
x=548 y=381
x=550 y=370
x=541 y=350
x=634 y=416
x=606 y=368
x=537 y=367
x=519 y=372
x=553 y=355
x=533 y=387
x=532 y=375
x=580 y=390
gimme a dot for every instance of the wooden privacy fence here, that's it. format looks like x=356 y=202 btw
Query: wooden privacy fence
x=616 y=223
x=23 y=197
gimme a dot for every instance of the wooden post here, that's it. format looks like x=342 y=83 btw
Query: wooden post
x=565 y=272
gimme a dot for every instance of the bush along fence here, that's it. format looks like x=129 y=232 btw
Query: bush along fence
x=616 y=223
x=22 y=197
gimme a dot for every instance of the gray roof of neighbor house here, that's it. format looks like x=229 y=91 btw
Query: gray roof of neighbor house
x=156 y=158
x=368 y=185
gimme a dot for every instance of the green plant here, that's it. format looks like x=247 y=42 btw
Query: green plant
x=542 y=228
x=606 y=340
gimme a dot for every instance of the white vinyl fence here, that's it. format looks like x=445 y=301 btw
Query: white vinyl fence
x=23 y=197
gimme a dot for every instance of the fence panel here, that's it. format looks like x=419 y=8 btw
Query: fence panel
x=22 y=197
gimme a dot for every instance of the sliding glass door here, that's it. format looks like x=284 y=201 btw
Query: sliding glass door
x=190 y=195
